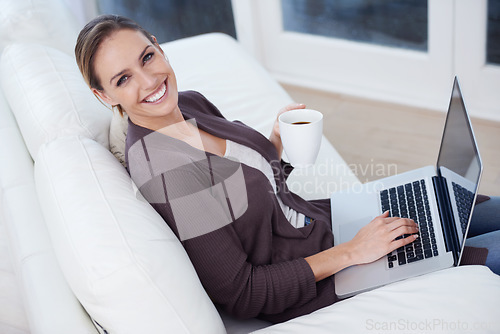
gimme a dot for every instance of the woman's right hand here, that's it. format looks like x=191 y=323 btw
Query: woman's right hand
x=373 y=241
x=378 y=238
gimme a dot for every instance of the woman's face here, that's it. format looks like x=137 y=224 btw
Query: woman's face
x=134 y=73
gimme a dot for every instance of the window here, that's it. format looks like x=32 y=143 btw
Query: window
x=173 y=19
x=403 y=51
x=401 y=23
x=493 y=39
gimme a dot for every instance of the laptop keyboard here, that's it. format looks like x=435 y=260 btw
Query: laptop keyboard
x=411 y=201
x=463 y=198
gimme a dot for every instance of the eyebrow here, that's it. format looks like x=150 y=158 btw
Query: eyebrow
x=122 y=72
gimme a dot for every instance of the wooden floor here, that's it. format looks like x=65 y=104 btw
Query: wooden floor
x=379 y=139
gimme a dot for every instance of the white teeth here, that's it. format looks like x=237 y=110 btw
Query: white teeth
x=158 y=95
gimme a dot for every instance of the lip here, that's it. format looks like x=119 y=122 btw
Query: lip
x=156 y=91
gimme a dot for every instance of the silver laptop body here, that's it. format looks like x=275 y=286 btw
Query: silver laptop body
x=439 y=198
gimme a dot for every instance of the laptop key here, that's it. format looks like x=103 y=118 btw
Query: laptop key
x=401 y=258
x=416 y=258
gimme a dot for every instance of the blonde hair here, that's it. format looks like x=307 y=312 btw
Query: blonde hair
x=91 y=37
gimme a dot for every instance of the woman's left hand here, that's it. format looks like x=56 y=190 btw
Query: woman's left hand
x=275 y=137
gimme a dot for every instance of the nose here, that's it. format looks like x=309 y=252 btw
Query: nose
x=147 y=80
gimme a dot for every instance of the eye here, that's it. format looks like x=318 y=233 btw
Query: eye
x=122 y=80
x=147 y=57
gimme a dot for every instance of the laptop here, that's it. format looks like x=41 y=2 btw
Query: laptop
x=439 y=198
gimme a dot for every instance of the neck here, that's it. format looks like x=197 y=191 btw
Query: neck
x=173 y=125
x=157 y=123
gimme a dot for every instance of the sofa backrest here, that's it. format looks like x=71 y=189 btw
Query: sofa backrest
x=49 y=97
x=46 y=22
x=48 y=302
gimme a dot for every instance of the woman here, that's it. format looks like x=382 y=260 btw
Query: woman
x=258 y=249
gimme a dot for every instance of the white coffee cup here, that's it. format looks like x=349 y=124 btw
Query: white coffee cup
x=301 y=131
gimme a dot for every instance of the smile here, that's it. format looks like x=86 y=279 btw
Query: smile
x=157 y=95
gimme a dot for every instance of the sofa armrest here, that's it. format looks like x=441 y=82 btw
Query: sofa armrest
x=50 y=305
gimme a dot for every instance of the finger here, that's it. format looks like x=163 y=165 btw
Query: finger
x=296 y=106
x=395 y=222
x=292 y=106
x=384 y=219
x=403 y=241
x=389 y=220
x=384 y=214
x=402 y=230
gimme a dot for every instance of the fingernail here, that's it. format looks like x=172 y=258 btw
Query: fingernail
x=415 y=236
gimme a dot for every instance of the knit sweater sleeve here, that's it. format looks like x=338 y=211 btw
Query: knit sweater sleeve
x=204 y=221
x=243 y=289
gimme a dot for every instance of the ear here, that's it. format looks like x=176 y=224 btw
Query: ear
x=103 y=96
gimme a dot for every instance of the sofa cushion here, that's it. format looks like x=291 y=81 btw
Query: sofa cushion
x=121 y=260
x=49 y=97
x=117 y=135
x=46 y=22
x=456 y=300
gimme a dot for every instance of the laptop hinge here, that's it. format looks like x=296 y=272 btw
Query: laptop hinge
x=446 y=215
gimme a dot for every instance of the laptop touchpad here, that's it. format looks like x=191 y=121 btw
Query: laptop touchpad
x=348 y=230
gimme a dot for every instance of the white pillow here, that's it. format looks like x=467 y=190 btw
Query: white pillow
x=47 y=22
x=120 y=258
x=48 y=96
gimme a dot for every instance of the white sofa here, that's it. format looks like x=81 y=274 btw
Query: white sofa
x=92 y=257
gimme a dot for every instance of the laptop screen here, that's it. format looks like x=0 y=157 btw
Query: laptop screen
x=459 y=162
